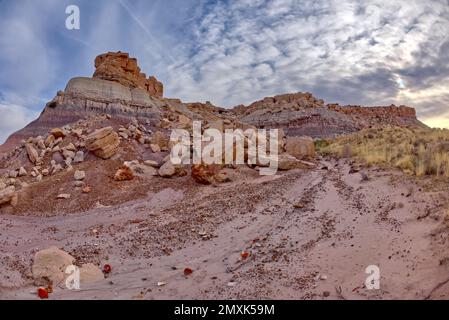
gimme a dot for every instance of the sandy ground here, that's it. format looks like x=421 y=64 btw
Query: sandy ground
x=310 y=235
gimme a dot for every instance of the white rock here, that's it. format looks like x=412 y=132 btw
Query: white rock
x=50 y=265
x=79 y=157
x=79 y=175
x=167 y=170
x=22 y=172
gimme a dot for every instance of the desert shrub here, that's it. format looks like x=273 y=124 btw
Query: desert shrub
x=415 y=151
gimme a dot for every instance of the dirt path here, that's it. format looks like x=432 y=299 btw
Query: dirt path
x=310 y=234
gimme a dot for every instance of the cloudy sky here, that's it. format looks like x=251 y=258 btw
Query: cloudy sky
x=369 y=52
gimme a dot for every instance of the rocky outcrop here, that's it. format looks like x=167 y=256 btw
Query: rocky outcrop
x=303 y=114
x=119 y=67
x=383 y=112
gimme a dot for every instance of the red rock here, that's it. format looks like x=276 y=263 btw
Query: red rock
x=206 y=174
x=107 y=268
x=188 y=271
x=42 y=293
x=124 y=173
x=119 y=67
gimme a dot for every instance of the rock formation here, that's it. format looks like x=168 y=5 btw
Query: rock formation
x=119 y=88
x=119 y=67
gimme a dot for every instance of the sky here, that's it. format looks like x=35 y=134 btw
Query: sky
x=363 y=52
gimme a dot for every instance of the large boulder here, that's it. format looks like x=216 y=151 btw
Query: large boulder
x=50 y=265
x=103 y=142
x=32 y=153
x=300 y=147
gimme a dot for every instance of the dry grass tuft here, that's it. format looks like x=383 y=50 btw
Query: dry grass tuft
x=415 y=151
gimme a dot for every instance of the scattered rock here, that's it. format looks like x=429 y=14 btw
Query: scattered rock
x=67 y=154
x=71 y=147
x=206 y=174
x=90 y=273
x=13 y=174
x=167 y=170
x=155 y=148
x=79 y=175
x=79 y=184
x=124 y=173
x=151 y=163
x=57 y=157
x=160 y=139
x=49 y=266
x=58 y=133
x=22 y=172
x=79 y=157
x=32 y=153
x=7 y=194
x=63 y=196
x=141 y=170
x=49 y=141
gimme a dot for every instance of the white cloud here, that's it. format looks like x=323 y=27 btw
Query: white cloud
x=13 y=117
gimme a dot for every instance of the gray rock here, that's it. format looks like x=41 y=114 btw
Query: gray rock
x=79 y=157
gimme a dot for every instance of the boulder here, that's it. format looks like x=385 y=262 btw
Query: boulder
x=79 y=175
x=71 y=147
x=22 y=172
x=90 y=273
x=57 y=157
x=300 y=147
x=206 y=174
x=32 y=153
x=49 y=141
x=151 y=163
x=49 y=266
x=141 y=170
x=155 y=148
x=167 y=170
x=58 y=133
x=79 y=157
x=103 y=142
x=67 y=154
x=7 y=194
x=160 y=139
x=124 y=173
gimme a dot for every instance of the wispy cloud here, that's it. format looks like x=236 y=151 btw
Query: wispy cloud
x=231 y=52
